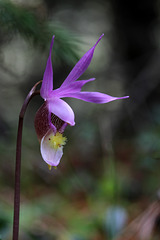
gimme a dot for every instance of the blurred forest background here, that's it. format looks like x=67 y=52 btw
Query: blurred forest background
x=110 y=172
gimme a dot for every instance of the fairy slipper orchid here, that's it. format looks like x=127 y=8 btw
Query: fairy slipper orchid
x=55 y=114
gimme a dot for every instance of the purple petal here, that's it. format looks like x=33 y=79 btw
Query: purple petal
x=81 y=66
x=72 y=88
x=94 y=97
x=50 y=155
x=62 y=110
x=47 y=83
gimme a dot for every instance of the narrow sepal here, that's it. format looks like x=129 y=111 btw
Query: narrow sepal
x=47 y=83
x=94 y=97
x=81 y=66
x=74 y=87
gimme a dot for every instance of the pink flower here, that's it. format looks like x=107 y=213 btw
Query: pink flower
x=54 y=115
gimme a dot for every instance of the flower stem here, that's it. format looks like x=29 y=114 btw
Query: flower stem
x=30 y=95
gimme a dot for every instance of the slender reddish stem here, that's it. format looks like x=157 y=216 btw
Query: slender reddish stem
x=31 y=94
